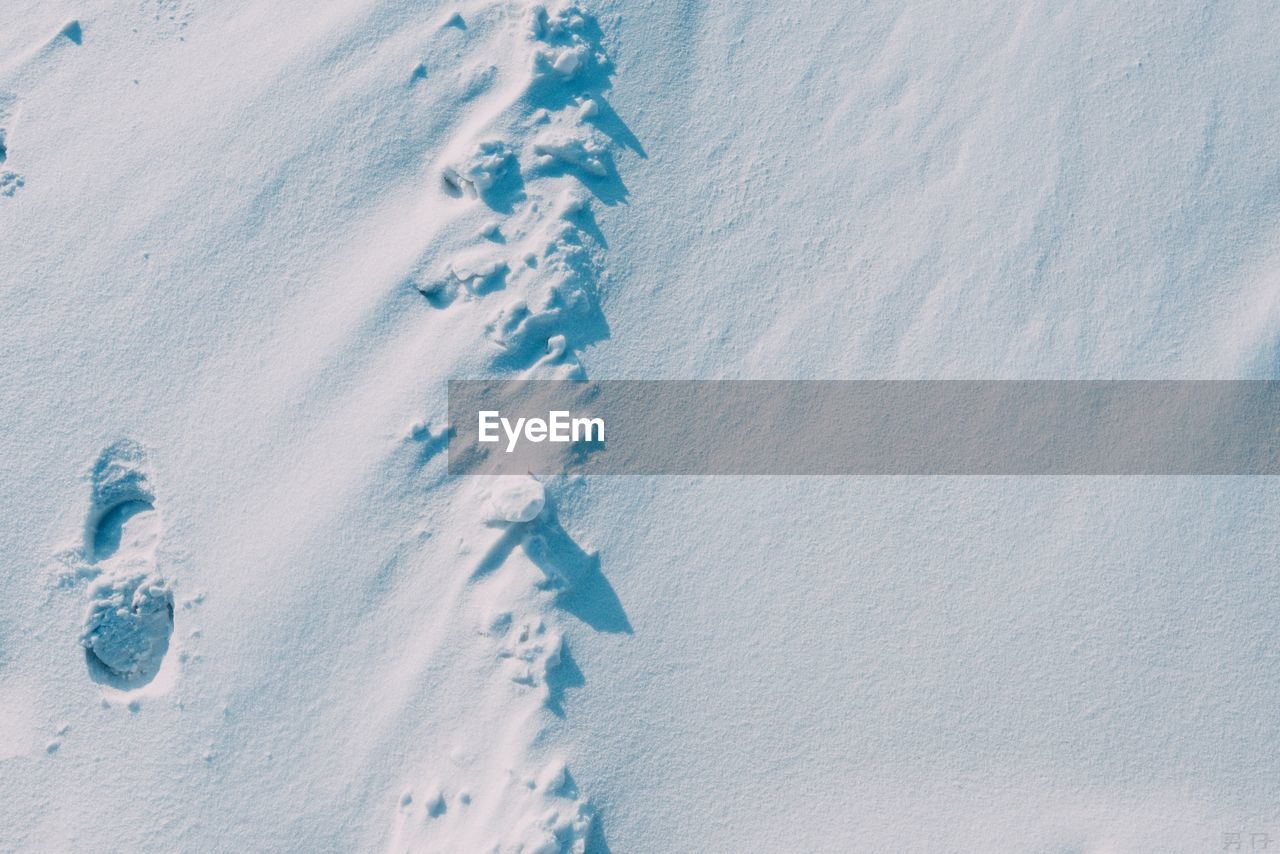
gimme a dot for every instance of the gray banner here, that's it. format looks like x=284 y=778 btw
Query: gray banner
x=874 y=427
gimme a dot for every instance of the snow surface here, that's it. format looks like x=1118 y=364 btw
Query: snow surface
x=244 y=245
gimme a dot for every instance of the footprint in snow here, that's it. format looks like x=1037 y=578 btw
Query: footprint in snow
x=129 y=619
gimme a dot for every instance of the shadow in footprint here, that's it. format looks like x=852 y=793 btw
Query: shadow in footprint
x=611 y=125
x=584 y=591
x=502 y=548
x=111 y=527
x=592 y=79
x=583 y=326
x=581 y=321
x=431 y=443
x=119 y=476
x=502 y=195
x=585 y=220
x=608 y=188
x=596 y=843
x=562 y=677
x=507 y=191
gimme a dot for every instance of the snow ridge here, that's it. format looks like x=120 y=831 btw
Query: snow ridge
x=527 y=255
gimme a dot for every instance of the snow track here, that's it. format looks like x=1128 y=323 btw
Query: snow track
x=522 y=252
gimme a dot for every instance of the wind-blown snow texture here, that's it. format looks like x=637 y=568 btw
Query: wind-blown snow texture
x=245 y=244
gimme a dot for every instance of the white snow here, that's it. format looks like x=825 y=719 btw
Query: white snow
x=513 y=498
x=578 y=150
x=481 y=168
x=240 y=255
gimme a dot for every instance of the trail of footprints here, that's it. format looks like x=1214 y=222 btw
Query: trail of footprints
x=533 y=264
x=543 y=811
